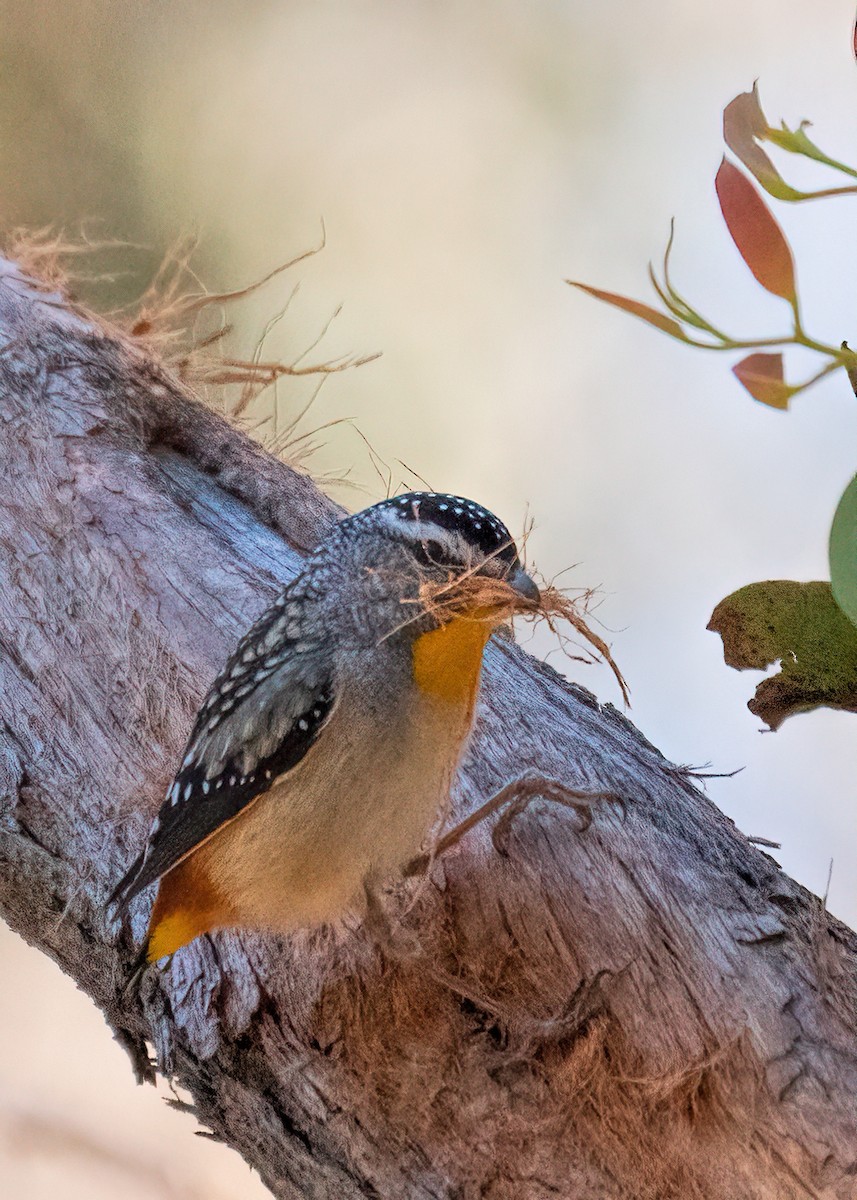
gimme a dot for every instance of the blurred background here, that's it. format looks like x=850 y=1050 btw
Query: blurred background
x=465 y=159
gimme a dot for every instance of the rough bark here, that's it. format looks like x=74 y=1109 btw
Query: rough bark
x=646 y=1009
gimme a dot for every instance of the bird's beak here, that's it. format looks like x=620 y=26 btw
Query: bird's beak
x=524 y=585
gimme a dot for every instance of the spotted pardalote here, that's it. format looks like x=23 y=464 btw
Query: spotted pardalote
x=325 y=750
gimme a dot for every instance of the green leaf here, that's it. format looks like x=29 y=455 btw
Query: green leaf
x=795 y=141
x=644 y=311
x=801 y=626
x=843 y=552
x=675 y=303
x=680 y=309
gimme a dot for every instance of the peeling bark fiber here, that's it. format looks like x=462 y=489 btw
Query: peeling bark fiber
x=647 y=1009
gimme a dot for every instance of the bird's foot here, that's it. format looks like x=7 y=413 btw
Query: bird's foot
x=510 y=802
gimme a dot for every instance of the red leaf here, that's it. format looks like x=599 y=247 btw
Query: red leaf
x=643 y=311
x=762 y=376
x=754 y=231
x=744 y=125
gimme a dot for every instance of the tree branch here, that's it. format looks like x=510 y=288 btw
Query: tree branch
x=648 y=1008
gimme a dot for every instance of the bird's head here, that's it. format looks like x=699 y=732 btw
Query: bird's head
x=423 y=559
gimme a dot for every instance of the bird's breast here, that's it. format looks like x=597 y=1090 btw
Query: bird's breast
x=358 y=805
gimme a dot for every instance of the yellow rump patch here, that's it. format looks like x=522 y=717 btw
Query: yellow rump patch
x=187 y=904
x=171 y=933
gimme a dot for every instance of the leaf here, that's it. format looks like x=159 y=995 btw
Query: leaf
x=843 y=552
x=635 y=308
x=801 y=626
x=754 y=231
x=675 y=303
x=762 y=376
x=744 y=125
x=795 y=141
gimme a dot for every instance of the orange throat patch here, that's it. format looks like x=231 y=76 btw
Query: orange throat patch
x=448 y=661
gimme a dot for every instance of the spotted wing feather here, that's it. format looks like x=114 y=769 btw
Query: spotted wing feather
x=263 y=713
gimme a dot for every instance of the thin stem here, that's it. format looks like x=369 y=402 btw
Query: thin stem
x=798 y=338
x=826 y=370
x=811 y=344
x=732 y=344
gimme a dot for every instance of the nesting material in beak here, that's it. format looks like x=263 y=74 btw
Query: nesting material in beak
x=492 y=601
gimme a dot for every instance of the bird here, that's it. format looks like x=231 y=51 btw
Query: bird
x=325 y=750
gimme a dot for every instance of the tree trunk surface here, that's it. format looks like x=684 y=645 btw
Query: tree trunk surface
x=648 y=1009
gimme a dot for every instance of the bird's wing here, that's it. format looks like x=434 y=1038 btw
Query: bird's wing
x=262 y=714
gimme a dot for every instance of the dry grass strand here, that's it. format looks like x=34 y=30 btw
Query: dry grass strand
x=485 y=598
x=163 y=320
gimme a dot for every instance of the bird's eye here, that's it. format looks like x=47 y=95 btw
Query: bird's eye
x=432 y=554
